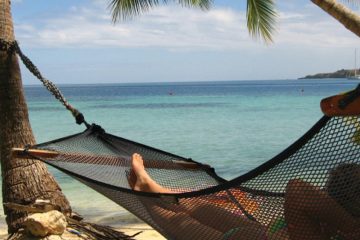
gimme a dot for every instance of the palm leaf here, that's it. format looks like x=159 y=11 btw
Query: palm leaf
x=261 y=14
x=261 y=19
x=125 y=9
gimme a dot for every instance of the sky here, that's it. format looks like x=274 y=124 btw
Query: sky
x=76 y=42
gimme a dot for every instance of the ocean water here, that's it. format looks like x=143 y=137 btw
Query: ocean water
x=233 y=126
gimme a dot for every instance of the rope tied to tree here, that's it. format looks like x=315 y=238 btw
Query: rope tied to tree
x=13 y=47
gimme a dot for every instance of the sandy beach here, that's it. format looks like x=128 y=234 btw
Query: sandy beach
x=3 y=233
x=147 y=233
x=101 y=211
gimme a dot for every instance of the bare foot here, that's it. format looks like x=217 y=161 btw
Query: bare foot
x=141 y=176
x=140 y=180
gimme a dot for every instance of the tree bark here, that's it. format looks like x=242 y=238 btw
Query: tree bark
x=23 y=180
x=344 y=15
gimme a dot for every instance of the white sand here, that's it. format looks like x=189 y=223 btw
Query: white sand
x=147 y=233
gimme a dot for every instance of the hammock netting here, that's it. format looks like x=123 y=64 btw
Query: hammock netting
x=251 y=206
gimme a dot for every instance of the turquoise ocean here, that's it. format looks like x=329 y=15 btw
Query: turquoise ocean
x=233 y=126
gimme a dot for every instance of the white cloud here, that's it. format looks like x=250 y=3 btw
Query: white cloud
x=284 y=16
x=164 y=27
x=177 y=28
x=315 y=31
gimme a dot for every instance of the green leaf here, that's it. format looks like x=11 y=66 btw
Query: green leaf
x=261 y=14
x=261 y=19
x=125 y=9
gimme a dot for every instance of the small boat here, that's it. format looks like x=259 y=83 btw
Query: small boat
x=356 y=76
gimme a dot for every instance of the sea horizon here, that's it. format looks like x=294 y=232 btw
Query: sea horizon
x=190 y=82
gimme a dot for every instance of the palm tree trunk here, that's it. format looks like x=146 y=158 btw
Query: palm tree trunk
x=344 y=15
x=23 y=181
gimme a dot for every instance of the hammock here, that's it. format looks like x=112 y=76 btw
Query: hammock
x=252 y=206
x=102 y=162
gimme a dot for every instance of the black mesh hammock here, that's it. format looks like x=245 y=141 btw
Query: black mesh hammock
x=310 y=189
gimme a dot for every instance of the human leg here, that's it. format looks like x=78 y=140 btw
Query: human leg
x=306 y=207
x=181 y=226
x=140 y=180
x=197 y=215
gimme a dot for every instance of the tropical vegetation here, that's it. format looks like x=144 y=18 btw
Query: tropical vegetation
x=261 y=14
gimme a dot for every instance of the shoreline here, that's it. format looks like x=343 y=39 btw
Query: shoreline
x=100 y=211
x=147 y=232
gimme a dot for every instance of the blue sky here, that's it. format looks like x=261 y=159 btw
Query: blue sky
x=75 y=42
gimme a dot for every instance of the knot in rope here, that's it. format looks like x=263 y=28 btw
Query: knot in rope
x=6 y=46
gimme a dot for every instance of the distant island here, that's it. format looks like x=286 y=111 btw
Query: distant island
x=343 y=73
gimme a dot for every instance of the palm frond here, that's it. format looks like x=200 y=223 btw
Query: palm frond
x=125 y=9
x=202 y=4
x=261 y=19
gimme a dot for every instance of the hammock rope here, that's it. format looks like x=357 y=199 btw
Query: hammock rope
x=13 y=47
x=254 y=201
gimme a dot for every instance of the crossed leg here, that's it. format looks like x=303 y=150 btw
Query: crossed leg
x=140 y=180
x=306 y=206
x=193 y=216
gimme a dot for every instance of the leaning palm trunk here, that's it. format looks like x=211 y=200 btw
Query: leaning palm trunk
x=23 y=181
x=344 y=15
